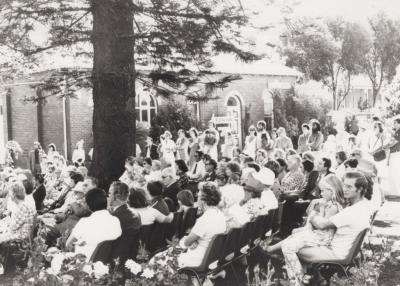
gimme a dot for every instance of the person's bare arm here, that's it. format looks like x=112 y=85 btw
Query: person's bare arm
x=321 y=223
x=190 y=239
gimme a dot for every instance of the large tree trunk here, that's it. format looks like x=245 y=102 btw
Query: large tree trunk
x=113 y=88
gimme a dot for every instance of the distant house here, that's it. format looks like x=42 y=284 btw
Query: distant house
x=65 y=121
x=360 y=95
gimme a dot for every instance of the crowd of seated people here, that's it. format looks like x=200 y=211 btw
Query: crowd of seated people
x=224 y=194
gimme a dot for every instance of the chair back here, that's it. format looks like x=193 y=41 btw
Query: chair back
x=213 y=253
x=145 y=234
x=276 y=224
x=231 y=245
x=175 y=225
x=259 y=229
x=158 y=237
x=126 y=246
x=189 y=220
x=268 y=223
x=103 y=252
x=246 y=235
x=356 y=247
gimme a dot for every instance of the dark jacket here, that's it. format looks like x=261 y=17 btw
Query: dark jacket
x=310 y=185
x=171 y=192
x=160 y=205
x=127 y=245
x=39 y=195
x=153 y=152
x=127 y=218
x=210 y=177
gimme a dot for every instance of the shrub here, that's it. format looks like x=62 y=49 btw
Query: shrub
x=172 y=117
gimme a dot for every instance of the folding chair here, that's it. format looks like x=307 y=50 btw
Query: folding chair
x=158 y=238
x=103 y=252
x=347 y=262
x=211 y=257
x=174 y=226
x=277 y=220
x=145 y=234
x=126 y=246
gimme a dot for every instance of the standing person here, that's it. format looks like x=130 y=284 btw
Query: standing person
x=168 y=148
x=363 y=139
x=251 y=143
x=78 y=156
x=194 y=146
x=261 y=133
x=150 y=150
x=229 y=144
x=35 y=158
x=283 y=141
x=394 y=158
x=211 y=140
x=303 y=139
x=182 y=145
x=376 y=145
x=316 y=138
x=52 y=151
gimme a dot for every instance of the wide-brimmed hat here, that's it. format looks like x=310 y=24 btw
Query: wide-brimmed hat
x=265 y=176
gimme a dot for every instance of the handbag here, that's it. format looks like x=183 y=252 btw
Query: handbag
x=379 y=155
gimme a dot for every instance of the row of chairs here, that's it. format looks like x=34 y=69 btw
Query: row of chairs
x=224 y=249
x=153 y=238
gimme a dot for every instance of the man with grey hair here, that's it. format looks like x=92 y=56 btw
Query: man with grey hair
x=171 y=186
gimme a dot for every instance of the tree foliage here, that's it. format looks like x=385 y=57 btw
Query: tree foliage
x=328 y=52
x=175 y=39
x=292 y=109
x=382 y=52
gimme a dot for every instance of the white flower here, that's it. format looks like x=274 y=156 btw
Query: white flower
x=148 y=273
x=56 y=263
x=99 y=269
x=134 y=267
x=88 y=269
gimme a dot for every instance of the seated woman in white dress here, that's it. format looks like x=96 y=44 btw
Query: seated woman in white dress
x=330 y=204
x=210 y=224
x=148 y=215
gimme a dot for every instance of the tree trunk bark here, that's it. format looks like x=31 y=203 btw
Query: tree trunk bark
x=113 y=88
x=334 y=99
x=375 y=92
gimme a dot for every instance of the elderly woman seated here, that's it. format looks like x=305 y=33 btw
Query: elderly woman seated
x=211 y=223
x=17 y=226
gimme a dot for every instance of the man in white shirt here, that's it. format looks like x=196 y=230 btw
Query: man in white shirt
x=98 y=227
x=348 y=225
x=198 y=170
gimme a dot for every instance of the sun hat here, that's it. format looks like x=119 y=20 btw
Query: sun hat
x=265 y=176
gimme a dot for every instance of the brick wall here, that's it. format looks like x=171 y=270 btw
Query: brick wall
x=24 y=124
x=52 y=123
x=81 y=118
x=24 y=121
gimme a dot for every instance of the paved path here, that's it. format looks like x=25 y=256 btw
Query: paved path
x=387 y=222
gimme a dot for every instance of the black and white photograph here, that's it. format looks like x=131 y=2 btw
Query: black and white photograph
x=200 y=142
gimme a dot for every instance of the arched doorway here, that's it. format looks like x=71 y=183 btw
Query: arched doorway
x=234 y=110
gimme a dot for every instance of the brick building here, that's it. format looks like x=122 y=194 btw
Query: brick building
x=64 y=121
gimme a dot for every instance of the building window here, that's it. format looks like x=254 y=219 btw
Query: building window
x=194 y=107
x=145 y=107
